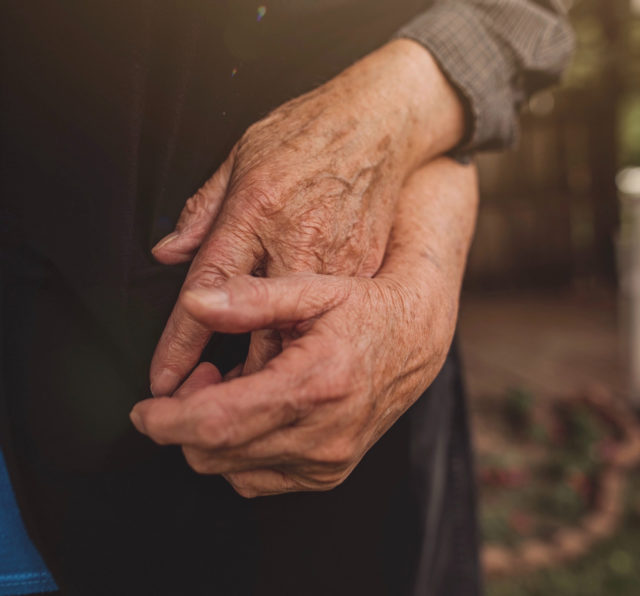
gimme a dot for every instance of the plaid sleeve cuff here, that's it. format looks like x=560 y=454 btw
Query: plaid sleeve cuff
x=476 y=66
x=489 y=51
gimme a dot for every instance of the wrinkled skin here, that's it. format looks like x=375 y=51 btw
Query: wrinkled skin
x=312 y=187
x=356 y=352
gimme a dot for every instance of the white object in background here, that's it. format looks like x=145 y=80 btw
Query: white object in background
x=635 y=6
x=628 y=182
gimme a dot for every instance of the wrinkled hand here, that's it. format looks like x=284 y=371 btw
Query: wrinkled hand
x=312 y=187
x=357 y=352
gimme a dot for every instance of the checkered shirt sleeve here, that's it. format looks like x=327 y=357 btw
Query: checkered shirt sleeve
x=496 y=53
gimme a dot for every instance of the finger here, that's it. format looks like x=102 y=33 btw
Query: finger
x=204 y=375
x=218 y=416
x=196 y=218
x=284 y=446
x=262 y=483
x=206 y=461
x=227 y=252
x=265 y=344
x=234 y=373
x=247 y=303
x=235 y=412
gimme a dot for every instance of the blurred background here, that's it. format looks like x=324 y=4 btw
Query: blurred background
x=550 y=327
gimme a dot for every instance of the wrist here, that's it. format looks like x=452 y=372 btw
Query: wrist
x=408 y=100
x=433 y=227
x=433 y=114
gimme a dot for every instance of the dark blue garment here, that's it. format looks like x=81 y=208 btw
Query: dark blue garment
x=22 y=570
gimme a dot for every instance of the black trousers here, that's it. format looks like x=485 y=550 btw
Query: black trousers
x=109 y=121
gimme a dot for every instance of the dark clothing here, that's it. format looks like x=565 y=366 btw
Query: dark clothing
x=110 y=118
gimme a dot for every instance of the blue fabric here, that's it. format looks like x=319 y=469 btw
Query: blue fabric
x=22 y=570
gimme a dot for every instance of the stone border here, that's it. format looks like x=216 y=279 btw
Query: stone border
x=570 y=543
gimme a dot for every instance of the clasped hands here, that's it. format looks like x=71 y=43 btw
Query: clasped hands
x=325 y=237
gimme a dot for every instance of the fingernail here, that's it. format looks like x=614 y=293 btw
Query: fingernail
x=213 y=298
x=166 y=240
x=136 y=420
x=165 y=383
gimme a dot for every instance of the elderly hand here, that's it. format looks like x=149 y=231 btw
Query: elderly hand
x=312 y=187
x=357 y=352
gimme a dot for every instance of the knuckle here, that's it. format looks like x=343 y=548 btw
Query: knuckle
x=294 y=407
x=336 y=385
x=341 y=475
x=224 y=255
x=338 y=480
x=216 y=431
x=210 y=274
x=210 y=435
x=339 y=454
x=196 y=203
x=196 y=206
x=328 y=482
x=247 y=493
x=259 y=194
x=243 y=488
x=309 y=244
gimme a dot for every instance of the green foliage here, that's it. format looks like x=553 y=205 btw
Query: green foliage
x=518 y=407
x=548 y=479
x=496 y=529
x=611 y=568
x=563 y=502
x=582 y=430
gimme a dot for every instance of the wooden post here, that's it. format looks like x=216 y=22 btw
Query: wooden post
x=604 y=139
x=629 y=272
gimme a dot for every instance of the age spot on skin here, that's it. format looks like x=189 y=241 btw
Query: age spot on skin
x=383 y=145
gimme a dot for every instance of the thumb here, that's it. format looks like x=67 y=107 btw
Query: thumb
x=196 y=218
x=246 y=303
